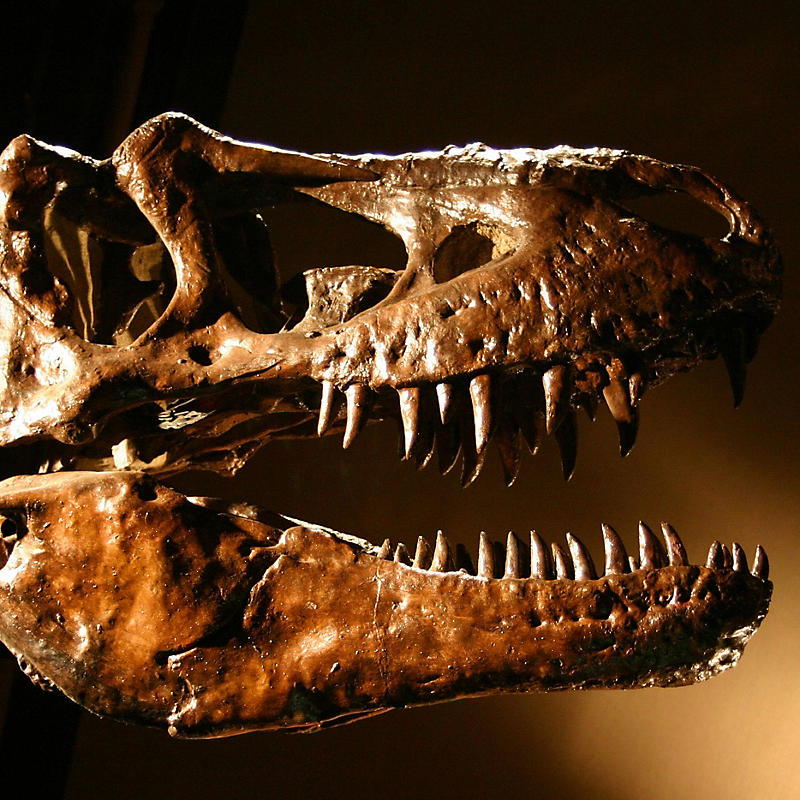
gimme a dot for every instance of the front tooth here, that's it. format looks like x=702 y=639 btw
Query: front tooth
x=727 y=558
x=325 y=407
x=507 y=441
x=553 y=384
x=401 y=554
x=485 y=557
x=617 y=397
x=650 y=556
x=441 y=554
x=422 y=554
x=357 y=395
x=540 y=567
x=584 y=566
x=512 y=557
x=409 y=414
x=562 y=562
x=527 y=408
x=480 y=393
x=448 y=445
x=472 y=462
x=386 y=549
x=676 y=552
x=444 y=396
x=567 y=438
x=733 y=351
x=761 y=564
x=739 y=558
x=715 y=558
x=634 y=565
x=616 y=556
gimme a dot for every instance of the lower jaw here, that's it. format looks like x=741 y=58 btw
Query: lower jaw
x=354 y=630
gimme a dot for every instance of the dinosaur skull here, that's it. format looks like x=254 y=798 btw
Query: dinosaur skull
x=142 y=329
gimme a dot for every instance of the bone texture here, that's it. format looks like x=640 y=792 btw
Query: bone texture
x=252 y=626
x=144 y=332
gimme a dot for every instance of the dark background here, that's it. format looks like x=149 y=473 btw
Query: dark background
x=714 y=84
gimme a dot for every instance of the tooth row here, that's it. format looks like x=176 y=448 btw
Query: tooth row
x=574 y=563
x=528 y=404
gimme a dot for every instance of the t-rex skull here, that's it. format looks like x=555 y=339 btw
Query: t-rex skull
x=141 y=329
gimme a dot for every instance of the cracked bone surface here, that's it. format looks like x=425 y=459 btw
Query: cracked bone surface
x=143 y=327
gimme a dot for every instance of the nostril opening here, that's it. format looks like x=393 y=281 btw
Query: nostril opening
x=200 y=355
x=8 y=528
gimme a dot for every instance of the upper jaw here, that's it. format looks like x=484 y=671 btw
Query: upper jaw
x=524 y=267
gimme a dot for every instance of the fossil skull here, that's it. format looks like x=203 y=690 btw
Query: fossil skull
x=141 y=329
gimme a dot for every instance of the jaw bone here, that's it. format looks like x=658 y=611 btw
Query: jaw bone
x=207 y=622
x=531 y=290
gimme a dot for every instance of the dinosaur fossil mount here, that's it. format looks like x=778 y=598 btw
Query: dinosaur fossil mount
x=144 y=332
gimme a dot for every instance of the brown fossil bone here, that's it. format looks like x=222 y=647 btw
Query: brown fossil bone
x=141 y=604
x=530 y=290
x=142 y=329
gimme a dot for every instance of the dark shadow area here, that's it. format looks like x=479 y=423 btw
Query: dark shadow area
x=679 y=212
x=310 y=235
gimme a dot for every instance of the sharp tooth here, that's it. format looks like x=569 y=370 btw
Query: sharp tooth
x=485 y=557
x=426 y=450
x=512 y=557
x=715 y=558
x=617 y=399
x=325 y=407
x=480 y=390
x=422 y=554
x=650 y=555
x=626 y=433
x=401 y=554
x=409 y=414
x=449 y=446
x=528 y=408
x=562 y=562
x=444 y=395
x=584 y=566
x=739 y=558
x=463 y=560
x=540 y=563
x=357 y=396
x=761 y=564
x=507 y=441
x=636 y=388
x=727 y=558
x=676 y=552
x=441 y=554
x=386 y=550
x=589 y=401
x=567 y=438
x=733 y=347
x=553 y=384
x=634 y=564
x=616 y=556
x=472 y=461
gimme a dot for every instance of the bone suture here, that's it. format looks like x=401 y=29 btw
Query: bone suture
x=144 y=332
